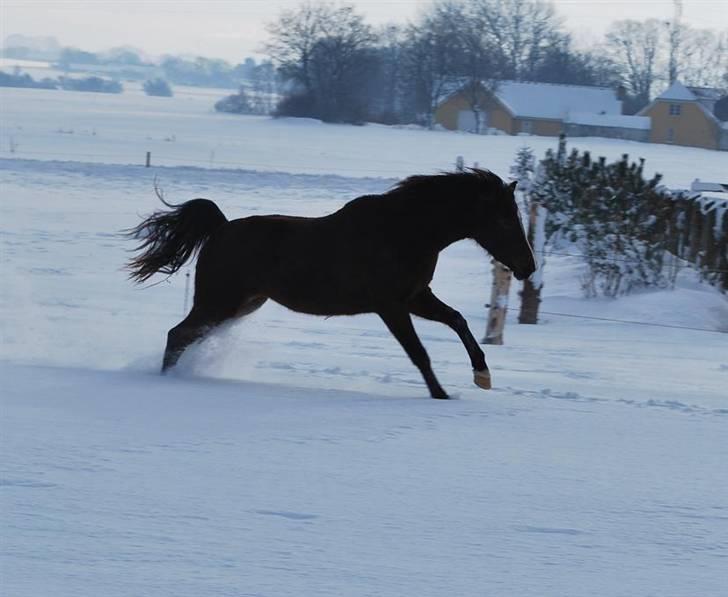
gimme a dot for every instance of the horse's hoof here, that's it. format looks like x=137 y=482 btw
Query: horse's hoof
x=482 y=379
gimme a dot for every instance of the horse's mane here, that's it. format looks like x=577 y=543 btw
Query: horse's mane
x=467 y=178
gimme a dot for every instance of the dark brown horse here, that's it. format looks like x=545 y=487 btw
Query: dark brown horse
x=377 y=254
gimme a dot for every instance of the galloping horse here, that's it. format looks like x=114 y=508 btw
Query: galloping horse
x=377 y=254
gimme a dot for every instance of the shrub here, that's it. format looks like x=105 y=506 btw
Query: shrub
x=618 y=220
x=25 y=80
x=93 y=84
x=237 y=103
x=297 y=105
x=157 y=87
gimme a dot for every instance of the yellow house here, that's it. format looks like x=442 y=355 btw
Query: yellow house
x=519 y=107
x=684 y=116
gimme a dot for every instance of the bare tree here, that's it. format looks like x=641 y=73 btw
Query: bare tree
x=340 y=64
x=324 y=48
x=262 y=87
x=389 y=87
x=636 y=48
x=293 y=37
x=429 y=65
x=476 y=57
x=518 y=31
x=561 y=63
x=702 y=57
x=648 y=52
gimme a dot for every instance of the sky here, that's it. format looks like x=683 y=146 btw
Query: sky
x=234 y=29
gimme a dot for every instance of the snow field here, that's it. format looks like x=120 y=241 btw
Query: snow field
x=132 y=484
x=185 y=131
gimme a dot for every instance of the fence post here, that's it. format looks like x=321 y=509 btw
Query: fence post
x=498 y=304
x=149 y=159
x=531 y=293
x=723 y=252
x=709 y=246
x=695 y=231
x=686 y=208
x=187 y=293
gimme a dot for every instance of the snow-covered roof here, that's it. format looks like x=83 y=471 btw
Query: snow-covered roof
x=547 y=100
x=610 y=120
x=677 y=92
x=701 y=185
x=707 y=93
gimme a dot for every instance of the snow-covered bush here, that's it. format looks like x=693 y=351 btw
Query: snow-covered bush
x=523 y=169
x=615 y=218
x=18 y=79
x=158 y=87
x=237 y=103
x=93 y=84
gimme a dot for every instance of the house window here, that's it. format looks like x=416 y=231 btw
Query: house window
x=675 y=109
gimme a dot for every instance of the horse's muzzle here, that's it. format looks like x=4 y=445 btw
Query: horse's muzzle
x=523 y=273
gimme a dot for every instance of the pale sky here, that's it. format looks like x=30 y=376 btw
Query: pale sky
x=234 y=29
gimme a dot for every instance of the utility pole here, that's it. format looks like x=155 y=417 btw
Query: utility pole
x=675 y=36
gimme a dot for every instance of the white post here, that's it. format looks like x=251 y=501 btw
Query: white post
x=498 y=304
x=187 y=293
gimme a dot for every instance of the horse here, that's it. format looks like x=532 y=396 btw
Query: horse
x=377 y=254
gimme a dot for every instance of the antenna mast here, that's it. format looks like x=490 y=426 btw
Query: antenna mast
x=675 y=39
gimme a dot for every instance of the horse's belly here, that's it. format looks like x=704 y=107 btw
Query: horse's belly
x=311 y=301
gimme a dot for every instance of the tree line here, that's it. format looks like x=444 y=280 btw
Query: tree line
x=334 y=66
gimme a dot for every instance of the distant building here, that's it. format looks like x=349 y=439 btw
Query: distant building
x=541 y=109
x=684 y=116
x=681 y=115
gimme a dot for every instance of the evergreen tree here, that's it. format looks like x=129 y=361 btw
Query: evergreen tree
x=611 y=215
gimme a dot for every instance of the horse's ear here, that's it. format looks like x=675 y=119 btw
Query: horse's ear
x=512 y=186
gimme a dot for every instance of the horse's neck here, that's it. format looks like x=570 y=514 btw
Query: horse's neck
x=438 y=229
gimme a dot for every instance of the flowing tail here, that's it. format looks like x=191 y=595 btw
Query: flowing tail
x=170 y=238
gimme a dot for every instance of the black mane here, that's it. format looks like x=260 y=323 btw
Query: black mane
x=465 y=179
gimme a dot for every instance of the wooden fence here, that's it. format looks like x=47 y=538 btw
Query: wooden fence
x=698 y=233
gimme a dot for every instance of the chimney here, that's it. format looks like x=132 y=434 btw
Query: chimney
x=621 y=94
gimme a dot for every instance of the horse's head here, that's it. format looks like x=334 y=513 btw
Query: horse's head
x=499 y=230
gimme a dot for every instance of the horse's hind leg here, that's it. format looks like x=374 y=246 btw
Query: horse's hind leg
x=200 y=322
x=190 y=329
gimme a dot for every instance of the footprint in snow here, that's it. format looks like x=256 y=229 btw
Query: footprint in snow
x=288 y=515
x=550 y=530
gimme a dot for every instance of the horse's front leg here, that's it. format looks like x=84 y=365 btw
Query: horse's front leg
x=399 y=322
x=428 y=306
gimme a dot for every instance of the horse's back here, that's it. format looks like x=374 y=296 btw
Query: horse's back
x=344 y=263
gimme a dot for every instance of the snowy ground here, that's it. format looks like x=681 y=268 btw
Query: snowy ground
x=294 y=455
x=185 y=130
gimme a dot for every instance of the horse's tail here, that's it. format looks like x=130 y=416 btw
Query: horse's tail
x=170 y=238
